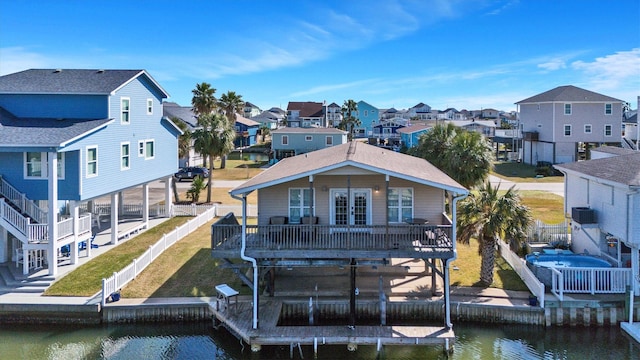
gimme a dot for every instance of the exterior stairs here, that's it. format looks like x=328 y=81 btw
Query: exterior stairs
x=12 y=280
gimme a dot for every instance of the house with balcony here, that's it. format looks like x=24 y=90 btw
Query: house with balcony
x=602 y=196
x=250 y=110
x=305 y=114
x=557 y=123
x=334 y=115
x=347 y=206
x=269 y=119
x=291 y=141
x=67 y=138
x=410 y=135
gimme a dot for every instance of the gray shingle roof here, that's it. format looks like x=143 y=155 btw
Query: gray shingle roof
x=184 y=113
x=622 y=169
x=310 y=130
x=352 y=154
x=68 y=81
x=45 y=132
x=568 y=93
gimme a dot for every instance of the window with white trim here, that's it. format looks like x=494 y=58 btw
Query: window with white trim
x=125 y=156
x=285 y=139
x=92 y=161
x=125 y=109
x=567 y=130
x=608 y=109
x=328 y=140
x=140 y=148
x=308 y=138
x=567 y=109
x=149 y=106
x=366 y=113
x=299 y=204
x=608 y=130
x=149 y=149
x=36 y=165
x=587 y=128
x=400 y=206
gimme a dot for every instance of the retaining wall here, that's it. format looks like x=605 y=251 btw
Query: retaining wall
x=50 y=314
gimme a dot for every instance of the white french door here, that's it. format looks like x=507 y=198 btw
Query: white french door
x=350 y=207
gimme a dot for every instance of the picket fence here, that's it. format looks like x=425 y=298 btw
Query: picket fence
x=119 y=279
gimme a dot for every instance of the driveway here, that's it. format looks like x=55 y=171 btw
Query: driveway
x=556 y=188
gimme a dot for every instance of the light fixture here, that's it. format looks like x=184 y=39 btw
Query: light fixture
x=376 y=188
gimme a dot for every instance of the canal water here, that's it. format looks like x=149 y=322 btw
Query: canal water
x=200 y=341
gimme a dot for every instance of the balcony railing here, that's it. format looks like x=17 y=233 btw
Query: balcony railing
x=332 y=239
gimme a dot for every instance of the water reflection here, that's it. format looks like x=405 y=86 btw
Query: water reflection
x=199 y=341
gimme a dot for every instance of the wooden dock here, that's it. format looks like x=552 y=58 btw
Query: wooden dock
x=238 y=320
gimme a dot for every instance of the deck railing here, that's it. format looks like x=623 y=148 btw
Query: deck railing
x=22 y=202
x=589 y=281
x=366 y=237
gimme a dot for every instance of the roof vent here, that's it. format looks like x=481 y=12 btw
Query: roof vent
x=100 y=71
x=57 y=71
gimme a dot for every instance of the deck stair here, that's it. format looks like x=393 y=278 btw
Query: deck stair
x=12 y=280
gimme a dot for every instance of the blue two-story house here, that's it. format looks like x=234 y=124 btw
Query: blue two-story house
x=369 y=117
x=68 y=137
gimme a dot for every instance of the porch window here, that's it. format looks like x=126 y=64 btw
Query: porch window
x=36 y=165
x=329 y=141
x=124 y=110
x=567 y=130
x=400 y=202
x=92 y=161
x=299 y=204
x=124 y=156
x=285 y=140
x=587 y=128
x=149 y=147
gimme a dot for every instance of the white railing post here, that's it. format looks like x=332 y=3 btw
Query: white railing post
x=592 y=284
x=115 y=282
x=135 y=267
x=104 y=298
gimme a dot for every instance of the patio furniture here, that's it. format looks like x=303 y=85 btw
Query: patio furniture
x=226 y=293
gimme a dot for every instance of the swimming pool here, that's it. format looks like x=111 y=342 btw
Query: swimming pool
x=541 y=265
x=566 y=260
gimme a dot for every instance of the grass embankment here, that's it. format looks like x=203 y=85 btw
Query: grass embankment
x=520 y=172
x=86 y=280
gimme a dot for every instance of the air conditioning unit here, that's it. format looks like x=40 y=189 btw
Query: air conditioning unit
x=583 y=215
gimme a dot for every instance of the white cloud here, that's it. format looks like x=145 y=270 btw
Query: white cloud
x=16 y=59
x=619 y=70
x=554 y=64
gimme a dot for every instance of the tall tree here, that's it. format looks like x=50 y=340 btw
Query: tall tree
x=203 y=102
x=349 y=120
x=487 y=216
x=214 y=138
x=463 y=155
x=230 y=103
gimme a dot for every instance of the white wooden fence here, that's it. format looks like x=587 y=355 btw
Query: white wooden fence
x=119 y=279
x=520 y=267
x=589 y=281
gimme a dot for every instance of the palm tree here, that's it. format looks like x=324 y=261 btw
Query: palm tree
x=264 y=131
x=434 y=144
x=203 y=100
x=231 y=104
x=487 y=216
x=349 y=121
x=214 y=138
x=468 y=159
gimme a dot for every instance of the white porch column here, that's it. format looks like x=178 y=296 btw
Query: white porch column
x=114 y=218
x=52 y=215
x=145 y=204
x=25 y=260
x=635 y=267
x=75 y=213
x=168 y=200
x=5 y=250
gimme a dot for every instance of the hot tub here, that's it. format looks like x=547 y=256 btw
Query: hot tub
x=540 y=264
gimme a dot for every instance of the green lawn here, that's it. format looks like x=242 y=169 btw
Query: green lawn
x=520 y=172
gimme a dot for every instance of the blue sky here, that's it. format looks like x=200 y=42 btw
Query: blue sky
x=389 y=53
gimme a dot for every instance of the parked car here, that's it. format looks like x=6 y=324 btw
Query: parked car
x=191 y=172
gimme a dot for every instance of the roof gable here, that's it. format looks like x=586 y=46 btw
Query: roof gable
x=568 y=93
x=306 y=108
x=622 y=169
x=357 y=155
x=71 y=81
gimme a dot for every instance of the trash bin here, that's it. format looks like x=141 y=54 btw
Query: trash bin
x=115 y=296
x=533 y=300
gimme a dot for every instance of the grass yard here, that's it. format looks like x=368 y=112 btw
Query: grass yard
x=546 y=207
x=237 y=170
x=520 y=172
x=86 y=280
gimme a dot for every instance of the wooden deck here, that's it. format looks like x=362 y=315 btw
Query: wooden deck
x=239 y=322
x=332 y=242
